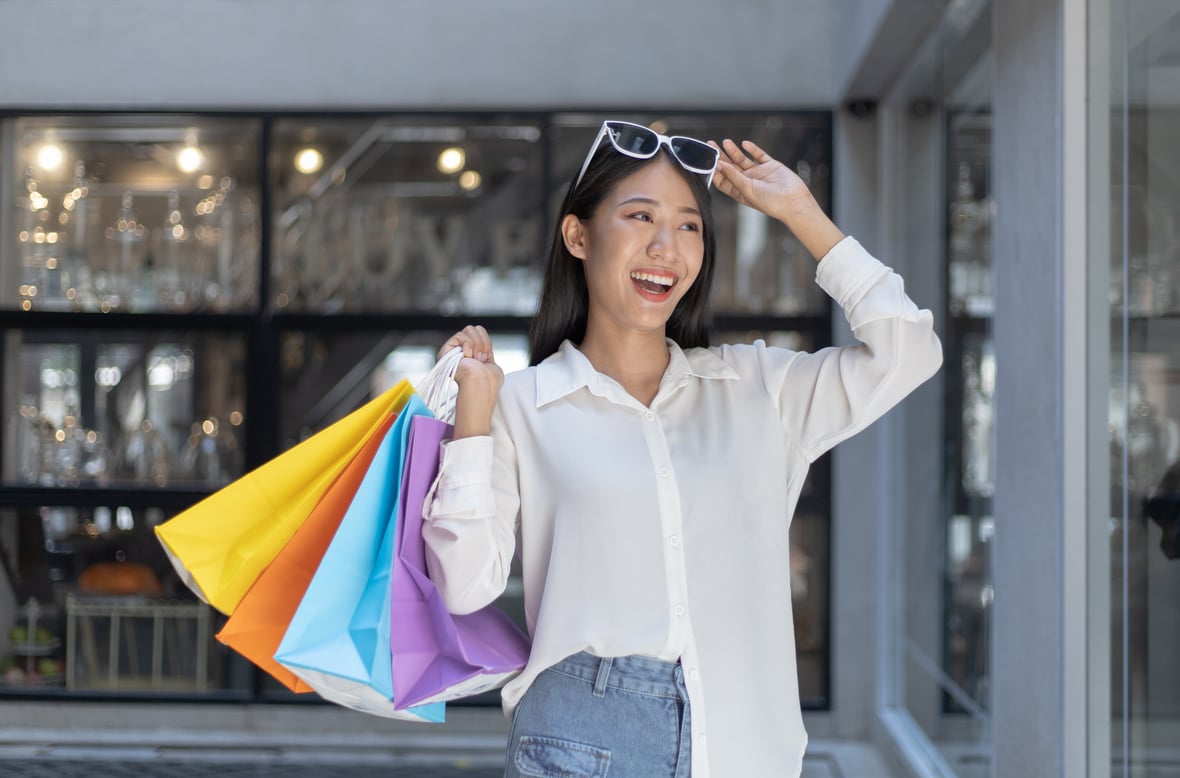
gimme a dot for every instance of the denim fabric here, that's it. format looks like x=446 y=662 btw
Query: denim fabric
x=586 y=717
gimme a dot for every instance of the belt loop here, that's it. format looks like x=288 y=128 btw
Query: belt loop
x=603 y=674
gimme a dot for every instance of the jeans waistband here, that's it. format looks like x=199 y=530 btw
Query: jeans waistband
x=633 y=673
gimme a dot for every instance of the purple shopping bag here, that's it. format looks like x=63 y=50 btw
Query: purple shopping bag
x=439 y=656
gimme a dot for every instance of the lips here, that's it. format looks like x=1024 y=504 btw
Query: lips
x=654 y=286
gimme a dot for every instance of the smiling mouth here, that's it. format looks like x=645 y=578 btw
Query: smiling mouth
x=653 y=285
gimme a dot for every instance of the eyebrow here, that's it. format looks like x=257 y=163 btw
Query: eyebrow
x=650 y=201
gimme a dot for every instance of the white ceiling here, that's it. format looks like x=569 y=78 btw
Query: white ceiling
x=431 y=53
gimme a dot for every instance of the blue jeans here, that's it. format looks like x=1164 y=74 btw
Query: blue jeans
x=586 y=717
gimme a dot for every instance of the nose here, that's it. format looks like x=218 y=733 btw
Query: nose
x=663 y=244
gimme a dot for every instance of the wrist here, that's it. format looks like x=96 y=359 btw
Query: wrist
x=473 y=408
x=801 y=207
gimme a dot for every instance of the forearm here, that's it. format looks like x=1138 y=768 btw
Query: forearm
x=469 y=532
x=807 y=222
x=473 y=408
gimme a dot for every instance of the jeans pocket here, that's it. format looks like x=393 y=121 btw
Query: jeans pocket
x=551 y=757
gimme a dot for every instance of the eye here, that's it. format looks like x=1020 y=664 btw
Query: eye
x=642 y=216
x=691 y=227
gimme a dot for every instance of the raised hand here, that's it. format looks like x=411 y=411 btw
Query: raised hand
x=479 y=379
x=754 y=178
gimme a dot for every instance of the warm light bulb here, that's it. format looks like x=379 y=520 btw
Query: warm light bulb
x=470 y=180
x=50 y=156
x=189 y=159
x=451 y=160
x=308 y=161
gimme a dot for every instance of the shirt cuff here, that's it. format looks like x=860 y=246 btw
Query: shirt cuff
x=847 y=272
x=466 y=461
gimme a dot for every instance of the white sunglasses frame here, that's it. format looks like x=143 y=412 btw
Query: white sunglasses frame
x=663 y=140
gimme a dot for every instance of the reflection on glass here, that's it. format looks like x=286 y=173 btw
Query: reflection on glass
x=1144 y=418
x=124 y=221
x=761 y=267
x=432 y=215
x=110 y=410
x=95 y=605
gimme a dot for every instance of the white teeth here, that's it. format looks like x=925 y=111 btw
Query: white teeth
x=655 y=279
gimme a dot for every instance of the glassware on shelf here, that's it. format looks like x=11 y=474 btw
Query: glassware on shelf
x=125 y=259
x=79 y=220
x=211 y=454
x=143 y=456
x=174 y=268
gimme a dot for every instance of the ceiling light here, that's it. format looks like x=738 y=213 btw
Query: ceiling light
x=451 y=160
x=50 y=156
x=308 y=160
x=189 y=159
x=470 y=180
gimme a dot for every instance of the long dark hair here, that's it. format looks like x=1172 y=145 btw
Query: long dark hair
x=565 y=301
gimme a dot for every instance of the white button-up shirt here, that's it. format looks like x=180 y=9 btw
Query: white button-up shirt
x=663 y=530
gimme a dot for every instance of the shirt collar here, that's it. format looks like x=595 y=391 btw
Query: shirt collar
x=568 y=370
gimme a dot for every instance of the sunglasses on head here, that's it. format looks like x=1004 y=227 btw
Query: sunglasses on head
x=641 y=142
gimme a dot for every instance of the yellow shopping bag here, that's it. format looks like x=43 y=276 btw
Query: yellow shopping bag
x=222 y=544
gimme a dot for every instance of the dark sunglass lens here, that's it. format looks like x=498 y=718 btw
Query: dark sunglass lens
x=694 y=153
x=634 y=139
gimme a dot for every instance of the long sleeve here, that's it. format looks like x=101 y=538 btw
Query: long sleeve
x=829 y=395
x=471 y=515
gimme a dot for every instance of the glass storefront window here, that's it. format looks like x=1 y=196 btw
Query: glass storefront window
x=89 y=603
x=939 y=213
x=968 y=592
x=140 y=214
x=430 y=214
x=1136 y=257
x=121 y=409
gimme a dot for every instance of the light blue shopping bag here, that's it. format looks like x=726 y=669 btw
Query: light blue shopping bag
x=338 y=641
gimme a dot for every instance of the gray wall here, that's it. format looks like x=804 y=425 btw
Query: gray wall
x=421 y=53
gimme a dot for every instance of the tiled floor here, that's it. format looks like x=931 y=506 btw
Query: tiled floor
x=38 y=768
x=101 y=768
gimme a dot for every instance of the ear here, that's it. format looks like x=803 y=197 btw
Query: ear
x=573 y=232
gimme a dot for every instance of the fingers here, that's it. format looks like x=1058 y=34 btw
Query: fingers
x=474 y=340
x=755 y=151
x=727 y=179
x=749 y=154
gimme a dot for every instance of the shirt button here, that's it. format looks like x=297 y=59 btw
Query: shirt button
x=694 y=674
x=649 y=416
x=674 y=541
x=680 y=610
x=665 y=472
x=701 y=737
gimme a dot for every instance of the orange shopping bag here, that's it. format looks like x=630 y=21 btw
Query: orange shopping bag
x=258 y=623
x=222 y=544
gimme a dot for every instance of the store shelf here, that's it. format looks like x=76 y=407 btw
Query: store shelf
x=138 y=322
x=36 y=649
x=144 y=497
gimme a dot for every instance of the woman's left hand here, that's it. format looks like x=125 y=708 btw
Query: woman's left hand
x=754 y=178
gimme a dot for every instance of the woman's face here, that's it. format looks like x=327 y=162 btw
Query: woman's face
x=642 y=248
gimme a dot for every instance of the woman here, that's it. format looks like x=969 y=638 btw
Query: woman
x=648 y=481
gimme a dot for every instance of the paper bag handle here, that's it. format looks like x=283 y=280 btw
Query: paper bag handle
x=438 y=389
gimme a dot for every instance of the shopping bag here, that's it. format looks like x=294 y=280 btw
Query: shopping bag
x=338 y=639
x=259 y=622
x=221 y=545
x=439 y=656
